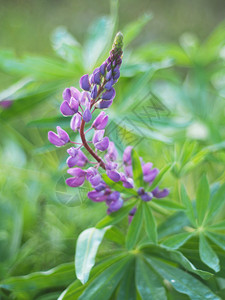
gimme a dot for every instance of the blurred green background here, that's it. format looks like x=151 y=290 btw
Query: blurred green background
x=175 y=60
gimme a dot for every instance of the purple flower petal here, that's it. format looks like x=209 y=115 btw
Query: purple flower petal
x=72 y=151
x=63 y=134
x=87 y=115
x=98 y=136
x=108 y=75
x=160 y=194
x=97 y=196
x=78 y=177
x=65 y=109
x=101 y=121
x=75 y=182
x=72 y=161
x=66 y=94
x=116 y=75
x=113 y=196
x=102 y=68
x=151 y=175
x=127 y=156
x=75 y=93
x=84 y=83
x=147 y=197
x=74 y=104
x=115 y=205
x=85 y=99
x=94 y=92
x=109 y=95
x=103 y=144
x=97 y=77
x=113 y=175
x=104 y=104
x=109 y=84
x=54 y=139
x=146 y=168
x=112 y=153
x=75 y=122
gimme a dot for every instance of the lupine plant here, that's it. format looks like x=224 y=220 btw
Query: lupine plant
x=158 y=239
x=98 y=93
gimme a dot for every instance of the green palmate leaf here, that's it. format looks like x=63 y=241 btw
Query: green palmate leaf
x=177 y=240
x=207 y=255
x=118 y=186
x=117 y=216
x=160 y=176
x=127 y=289
x=188 y=204
x=173 y=224
x=182 y=281
x=30 y=285
x=132 y=30
x=216 y=203
x=86 y=249
x=150 y=224
x=104 y=284
x=148 y=282
x=137 y=169
x=174 y=256
x=202 y=199
x=134 y=228
x=218 y=239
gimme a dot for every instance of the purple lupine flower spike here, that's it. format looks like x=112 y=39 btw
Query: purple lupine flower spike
x=101 y=121
x=101 y=143
x=98 y=92
x=84 y=83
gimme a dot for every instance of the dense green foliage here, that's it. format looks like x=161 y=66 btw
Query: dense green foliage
x=170 y=107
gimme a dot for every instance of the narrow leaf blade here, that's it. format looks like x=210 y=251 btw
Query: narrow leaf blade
x=207 y=255
x=148 y=282
x=86 y=249
x=202 y=198
x=137 y=169
x=134 y=229
x=150 y=224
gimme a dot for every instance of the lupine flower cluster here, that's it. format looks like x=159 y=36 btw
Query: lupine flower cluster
x=98 y=93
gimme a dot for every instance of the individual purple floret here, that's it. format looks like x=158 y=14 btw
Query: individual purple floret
x=100 y=142
x=101 y=121
x=76 y=158
x=98 y=93
x=59 y=139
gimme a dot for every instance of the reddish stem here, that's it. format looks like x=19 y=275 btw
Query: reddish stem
x=82 y=134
